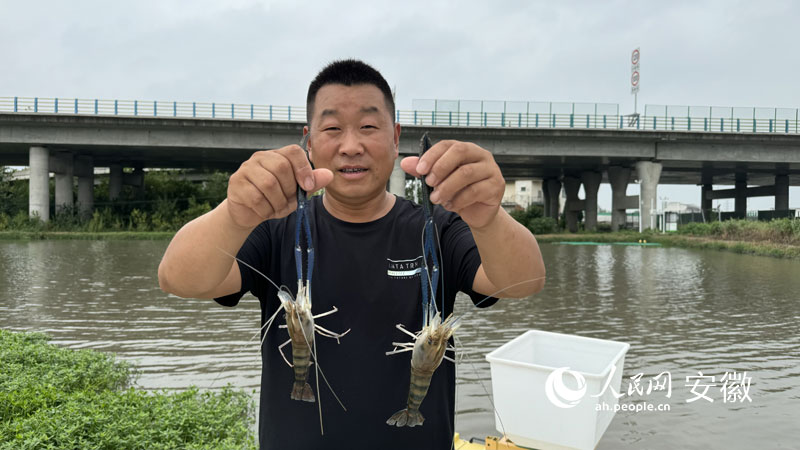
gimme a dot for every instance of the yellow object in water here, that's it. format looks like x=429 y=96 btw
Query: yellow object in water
x=491 y=443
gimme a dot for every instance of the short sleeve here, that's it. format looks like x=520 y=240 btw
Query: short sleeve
x=460 y=251
x=254 y=253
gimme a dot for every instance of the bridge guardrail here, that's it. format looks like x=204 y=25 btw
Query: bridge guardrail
x=151 y=108
x=656 y=117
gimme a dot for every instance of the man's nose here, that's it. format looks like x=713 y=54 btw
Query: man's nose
x=351 y=144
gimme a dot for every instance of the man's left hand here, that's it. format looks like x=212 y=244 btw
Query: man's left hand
x=465 y=179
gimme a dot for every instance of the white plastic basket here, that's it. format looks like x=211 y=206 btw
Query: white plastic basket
x=520 y=370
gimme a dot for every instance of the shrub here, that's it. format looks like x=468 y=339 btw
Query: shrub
x=524 y=216
x=542 y=225
x=138 y=221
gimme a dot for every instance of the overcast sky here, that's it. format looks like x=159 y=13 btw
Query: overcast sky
x=721 y=53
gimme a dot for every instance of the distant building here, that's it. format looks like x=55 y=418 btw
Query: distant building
x=520 y=194
x=680 y=208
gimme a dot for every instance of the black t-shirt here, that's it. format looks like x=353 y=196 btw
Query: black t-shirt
x=370 y=272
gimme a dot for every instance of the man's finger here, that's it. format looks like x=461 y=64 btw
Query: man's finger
x=276 y=165
x=269 y=185
x=300 y=166
x=458 y=154
x=409 y=165
x=322 y=177
x=463 y=176
x=431 y=156
x=249 y=196
x=480 y=192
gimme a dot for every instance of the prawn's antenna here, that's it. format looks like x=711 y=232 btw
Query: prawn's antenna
x=316 y=376
x=251 y=267
x=319 y=367
x=501 y=290
x=266 y=325
x=488 y=395
x=509 y=287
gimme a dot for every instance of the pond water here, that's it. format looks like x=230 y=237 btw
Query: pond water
x=682 y=312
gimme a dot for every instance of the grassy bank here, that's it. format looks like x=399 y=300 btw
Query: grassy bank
x=86 y=235
x=56 y=398
x=761 y=248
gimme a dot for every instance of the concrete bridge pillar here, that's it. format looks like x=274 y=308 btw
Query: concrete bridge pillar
x=619 y=178
x=649 y=173
x=591 y=183
x=64 y=171
x=114 y=181
x=740 y=199
x=546 y=198
x=136 y=179
x=84 y=170
x=397 y=182
x=553 y=192
x=39 y=183
x=706 y=204
x=781 y=192
x=571 y=187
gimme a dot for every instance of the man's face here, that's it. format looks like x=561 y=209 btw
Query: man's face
x=352 y=135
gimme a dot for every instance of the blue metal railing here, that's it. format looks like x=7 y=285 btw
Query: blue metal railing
x=656 y=117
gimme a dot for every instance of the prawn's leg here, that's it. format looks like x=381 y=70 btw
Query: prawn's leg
x=403 y=329
x=328 y=333
x=280 y=349
x=326 y=313
x=403 y=344
x=396 y=351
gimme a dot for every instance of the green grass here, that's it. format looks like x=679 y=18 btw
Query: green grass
x=86 y=235
x=778 y=231
x=56 y=398
x=778 y=249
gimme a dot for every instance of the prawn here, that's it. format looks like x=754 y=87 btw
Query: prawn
x=300 y=323
x=429 y=344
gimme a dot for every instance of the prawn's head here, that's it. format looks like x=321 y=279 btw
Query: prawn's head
x=430 y=345
x=303 y=300
x=286 y=299
x=299 y=320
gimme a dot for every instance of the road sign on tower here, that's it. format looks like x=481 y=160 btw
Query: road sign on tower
x=635 y=71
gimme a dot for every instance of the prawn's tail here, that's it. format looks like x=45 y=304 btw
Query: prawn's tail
x=406 y=418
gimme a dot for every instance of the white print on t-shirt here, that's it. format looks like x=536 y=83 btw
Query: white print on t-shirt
x=404 y=268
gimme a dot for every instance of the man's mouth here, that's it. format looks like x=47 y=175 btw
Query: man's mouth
x=352 y=169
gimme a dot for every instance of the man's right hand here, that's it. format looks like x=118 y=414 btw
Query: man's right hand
x=265 y=186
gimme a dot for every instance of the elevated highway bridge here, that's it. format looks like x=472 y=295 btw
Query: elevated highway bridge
x=758 y=156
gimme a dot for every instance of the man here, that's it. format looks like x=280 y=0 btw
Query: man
x=368 y=255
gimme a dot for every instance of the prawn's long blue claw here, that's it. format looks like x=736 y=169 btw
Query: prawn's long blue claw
x=302 y=224
x=427 y=206
x=429 y=245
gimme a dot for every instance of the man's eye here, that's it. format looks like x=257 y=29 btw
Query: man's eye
x=369 y=126
x=330 y=129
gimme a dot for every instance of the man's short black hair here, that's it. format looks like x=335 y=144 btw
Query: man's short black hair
x=349 y=72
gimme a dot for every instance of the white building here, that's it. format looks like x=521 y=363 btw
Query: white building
x=680 y=208
x=520 y=194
